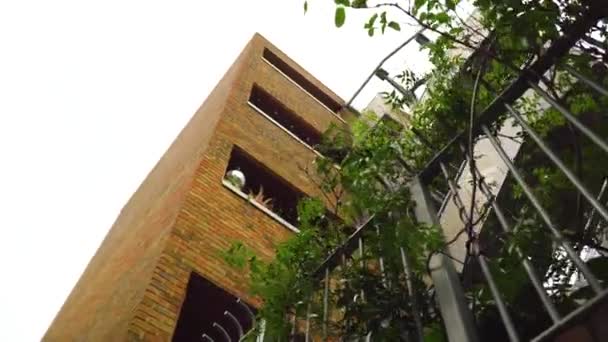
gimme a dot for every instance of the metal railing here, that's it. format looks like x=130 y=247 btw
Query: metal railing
x=528 y=80
x=458 y=318
x=231 y=325
x=455 y=308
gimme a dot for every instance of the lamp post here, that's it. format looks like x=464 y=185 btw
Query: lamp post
x=418 y=37
x=383 y=75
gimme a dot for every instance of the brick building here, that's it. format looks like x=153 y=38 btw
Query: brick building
x=159 y=275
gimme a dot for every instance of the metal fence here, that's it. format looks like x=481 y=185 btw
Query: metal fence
x=458 y=318
x=455 y=307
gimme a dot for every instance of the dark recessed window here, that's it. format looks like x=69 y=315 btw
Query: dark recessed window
x=302 y=81
x=284 y=116
x=204 y=312
x=265 y=187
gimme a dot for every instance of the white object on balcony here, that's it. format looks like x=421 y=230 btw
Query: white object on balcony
x=236 y=178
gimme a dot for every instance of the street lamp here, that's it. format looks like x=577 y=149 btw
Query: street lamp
x=418 y=37
x=384 y=76
x=422 y=39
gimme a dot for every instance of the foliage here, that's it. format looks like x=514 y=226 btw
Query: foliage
x=288 y=279
x=370 y=180
x=261 y=198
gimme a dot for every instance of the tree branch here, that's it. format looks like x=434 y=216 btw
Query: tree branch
x=305 y=170
x=425 y=25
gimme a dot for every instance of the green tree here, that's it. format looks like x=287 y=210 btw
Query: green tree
x=370 y=182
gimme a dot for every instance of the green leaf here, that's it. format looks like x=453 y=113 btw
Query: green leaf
x=450 y=4
x=237 y=255
x=434 y=333
x=305 y=7
x=432 y=4
x=370 y=23
x=418 y=4
x=442 y=18
x=359 y=4
x=343 y=2
x=455 y=31
x=340 y=16
x=395 y=26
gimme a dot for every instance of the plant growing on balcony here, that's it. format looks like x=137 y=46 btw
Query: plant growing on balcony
x=261 y=199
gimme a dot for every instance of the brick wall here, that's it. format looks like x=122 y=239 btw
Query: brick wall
x=182 y=216
x=212 y=216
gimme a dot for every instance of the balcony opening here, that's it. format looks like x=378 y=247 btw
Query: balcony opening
x=264 y=186
x=284 y=116
x=207 y=309
x=302 y=81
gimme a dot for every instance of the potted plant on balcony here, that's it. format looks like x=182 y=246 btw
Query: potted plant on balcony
x=261 y=199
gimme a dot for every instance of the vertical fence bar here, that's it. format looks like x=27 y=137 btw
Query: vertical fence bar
x=598 y=225
x=344 y=282
x=599 y=198
x=307 y=329
x=361 y=263
x=248 y=311
x=325 y=302
x=236 y=322
x=586 y=80
x=260 y=337
x=593 y=282
x=570 y=117
x=223 y=331
x=454 y=190
x=504 y=314
x=528 y=267
x=457 y=316
x=502 y=308
x=385 y=281
x=412 y=292
x=294 y=320
x=557 y=161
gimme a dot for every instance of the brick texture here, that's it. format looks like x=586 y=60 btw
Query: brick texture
x=182 y=216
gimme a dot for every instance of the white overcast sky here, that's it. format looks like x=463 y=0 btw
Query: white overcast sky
x=93 y=92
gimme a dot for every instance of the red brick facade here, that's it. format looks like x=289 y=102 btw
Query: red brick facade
x=183 y=216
